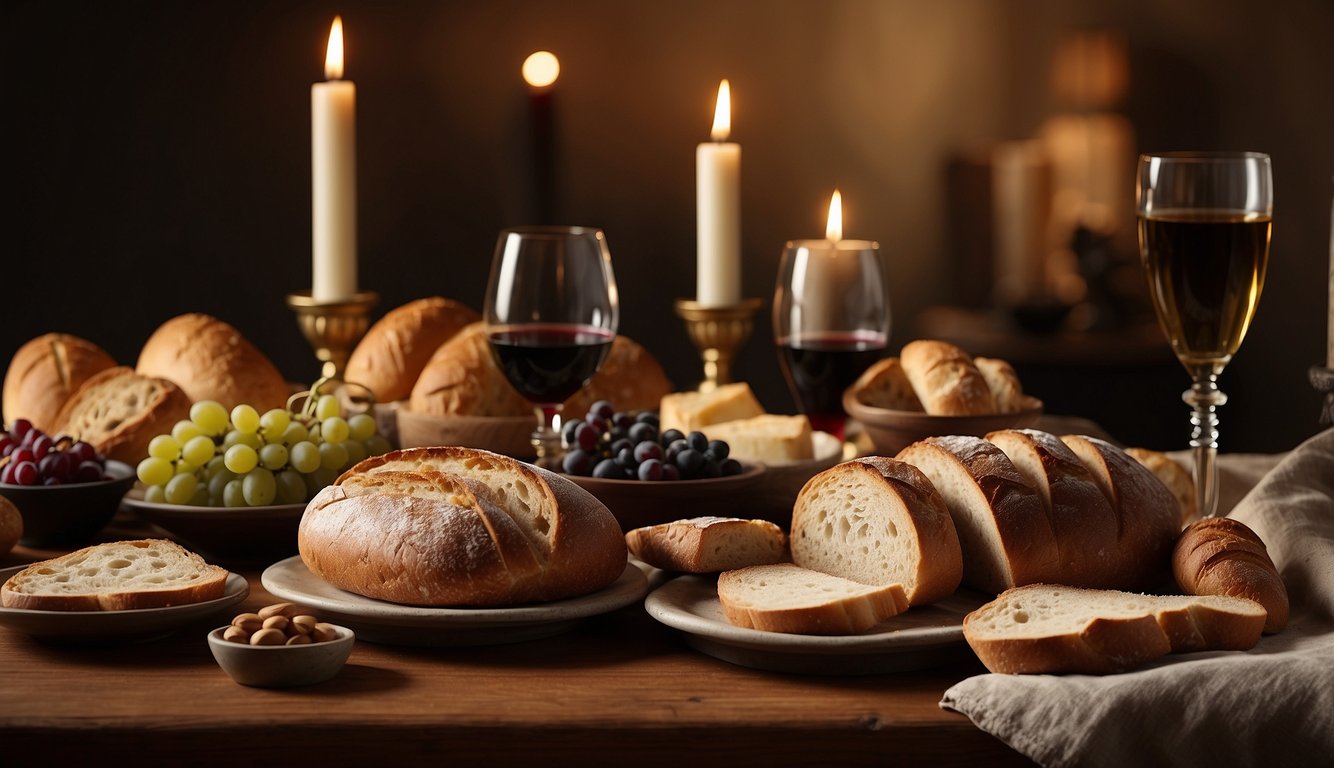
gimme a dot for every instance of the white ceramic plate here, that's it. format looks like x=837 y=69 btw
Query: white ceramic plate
x=917 y=639
x=380 y=622
x=140 y=624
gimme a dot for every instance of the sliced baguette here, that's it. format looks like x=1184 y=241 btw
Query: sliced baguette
x=945 y=379
x=878 y=521
x=788 y=598
x=1046 y=628
x=119 y=576
x=708 y=544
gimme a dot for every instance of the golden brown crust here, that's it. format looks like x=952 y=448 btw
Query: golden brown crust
x=211 y=360
x=392 y=354
x=11 y=525
x=631 y=378
x=708 y=544
x=945 y=379
x=119 y=412
x=1177 y=479
x=462 y=379
x=1222 y=556
x=45 y=372
x=1003 y=382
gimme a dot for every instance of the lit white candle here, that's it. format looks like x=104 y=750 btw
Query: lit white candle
x=333 y=159
x=718 y=211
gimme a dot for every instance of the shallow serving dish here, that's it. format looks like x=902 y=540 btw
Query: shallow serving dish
x=62 y=515
x=508 y=435
x=282 y=666
x=637 y=503
x=246 y=533
x=891 y=431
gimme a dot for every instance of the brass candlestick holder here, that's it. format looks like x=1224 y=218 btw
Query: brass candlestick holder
x=718 y=332
x=333 y=328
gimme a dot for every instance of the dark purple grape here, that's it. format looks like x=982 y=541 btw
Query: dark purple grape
x=710 y=469
x=626 y=458
x=640 y=432
x=689 y=461
x=670 y=472
x=621 y=444
x=698 y=441
x=21 y=455
x=19 y=428
x=719 y=449
x=586 y=438
x=53 y=481
x=670 y=436
x=603 y=409
x=89 y=472
x=567 y=431
x=608 y=469
x=82 y=452
x=9 y=448
x=577 y=462
x=7 y=474
x=648 y=450
x=674 y=450
x=732 y=467
x=621 y=422
x=648 y=417
x=42 y=446
x=650 y=470
x=25 y=473
x=55 y=464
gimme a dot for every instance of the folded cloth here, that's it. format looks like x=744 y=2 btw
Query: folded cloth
x=1272 y=705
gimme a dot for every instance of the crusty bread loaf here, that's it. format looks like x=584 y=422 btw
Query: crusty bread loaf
x=1177 y=479
x=211 y=360
x=11 y=525
x=885 y=385
x=945 y=379
x=708 y=544
x=1003 y=382
x=392 y=354
x=44 y=373
x=1044 y=628
x=788 y=598
x=631 y=378
x=689 y=411
x=1222 y=556
x=768 y=439
x=119 y=576
x=459 y=526
x=462 y=379
x=878 y=521
x=119 y=411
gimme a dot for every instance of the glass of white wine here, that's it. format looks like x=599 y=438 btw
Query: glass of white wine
x=1204 y=227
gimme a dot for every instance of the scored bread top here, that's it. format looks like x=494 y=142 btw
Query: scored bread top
x=119 y=411
x=1222 y=556
x=122 y=575
x=43 y=374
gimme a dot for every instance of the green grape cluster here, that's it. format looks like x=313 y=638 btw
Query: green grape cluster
x=245 y=459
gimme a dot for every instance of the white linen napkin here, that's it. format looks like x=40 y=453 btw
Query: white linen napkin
x=1270 y=706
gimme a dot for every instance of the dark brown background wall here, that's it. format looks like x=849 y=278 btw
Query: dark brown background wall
x=157 y=153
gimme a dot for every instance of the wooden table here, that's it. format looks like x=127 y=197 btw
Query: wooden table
x=618 y=689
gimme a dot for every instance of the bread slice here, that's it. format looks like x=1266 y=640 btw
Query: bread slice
x=1045 y=628
x=789 y=598
x=708 y=544
x=885 y=385
x=689 y=411
x=878 y=521
x=769 y=438
x=119 y=411
x=119 y=576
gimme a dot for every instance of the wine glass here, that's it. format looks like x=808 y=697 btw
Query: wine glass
x=1204 y=225
x=831 y=322
x=551 y=316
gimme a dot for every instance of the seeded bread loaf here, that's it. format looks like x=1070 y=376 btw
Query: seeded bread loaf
x=946 y=379
x=1222 y=556
x=120 y=576
x=788 y=598
x=45 y=372
x=211 y=360
x=769 y=438
x=392 y=354
x=1051 y=629
x=119 y=411
x=708 y=544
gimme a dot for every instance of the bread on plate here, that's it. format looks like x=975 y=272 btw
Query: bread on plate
x=118 y=576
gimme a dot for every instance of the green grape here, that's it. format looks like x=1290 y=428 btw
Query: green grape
x=296 y=432
x=361 y=426
x=233 y=495
x=315 y=436
x=218 y=482
x=215 y=466
x=326 y=407
x=237 y=437
x=184 y=467
x=378 y=445
x=273 y=457
x=184 y=430
x=198 y=450
x=245 y=418
x=320 y=479
x=200 y=499
x=275 y=421
x=305 y=457
x=291 y=487
x=209 y=416
x=241 y=459
x=181 y=489
x=155 y=471
x=259 y=487
x=356 y=451
x=334 y=429
x=155 y=494
x=164 y=447
x=333 y=456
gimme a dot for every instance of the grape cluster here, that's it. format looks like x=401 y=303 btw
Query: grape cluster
x=621 y=446
x=33 y=457
x=244 y=458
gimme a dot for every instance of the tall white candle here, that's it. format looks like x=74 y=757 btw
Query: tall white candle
x=333 y=160
x=718 y=211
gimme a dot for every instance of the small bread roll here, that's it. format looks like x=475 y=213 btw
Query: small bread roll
x=462 y=379
x=1222 y=556
x=946 y=380
x=211 y=360
x=45 y=372
x=395 y=350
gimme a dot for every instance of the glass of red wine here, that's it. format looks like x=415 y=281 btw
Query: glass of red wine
x=551 y=315
x=831 y=321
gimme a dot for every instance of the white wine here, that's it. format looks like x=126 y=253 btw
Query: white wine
x=1206 y=270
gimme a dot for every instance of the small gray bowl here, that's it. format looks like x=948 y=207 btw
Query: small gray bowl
x=281 y=666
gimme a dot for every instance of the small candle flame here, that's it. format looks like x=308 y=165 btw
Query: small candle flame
x=722 y=113
x=541 y=69
x=833 y=230
x=333 y=58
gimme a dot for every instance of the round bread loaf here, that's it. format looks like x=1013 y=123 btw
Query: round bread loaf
x=459 y=526
x=119 y=412
x=631 y=378
x=211 y=360
x=462 y=379
x=45 y=372
x=1222 y=556
x=394 y=351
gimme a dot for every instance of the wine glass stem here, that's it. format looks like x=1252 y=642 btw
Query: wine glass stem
x=1205 y=397
x=546 y=438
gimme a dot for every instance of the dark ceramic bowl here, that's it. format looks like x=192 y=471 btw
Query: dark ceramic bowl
x=65 y=515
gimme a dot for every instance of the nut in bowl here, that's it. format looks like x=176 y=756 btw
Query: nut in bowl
x=280 y=647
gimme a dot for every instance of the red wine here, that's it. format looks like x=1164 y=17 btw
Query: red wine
x=818 y=367
x=549 y=363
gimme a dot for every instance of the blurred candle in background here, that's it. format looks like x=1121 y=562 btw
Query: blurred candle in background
x=333 y=159
x=718 y=211
x=540 y=71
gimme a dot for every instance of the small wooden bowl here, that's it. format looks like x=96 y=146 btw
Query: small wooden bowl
x=891 y=431
x=508 y=435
